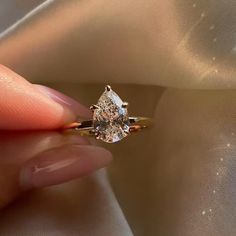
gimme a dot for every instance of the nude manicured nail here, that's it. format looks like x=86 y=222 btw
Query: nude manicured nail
x=77 y=108
x=62 y=164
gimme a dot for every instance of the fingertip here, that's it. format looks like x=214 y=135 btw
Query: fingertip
x=77 y=108
x=24 y=106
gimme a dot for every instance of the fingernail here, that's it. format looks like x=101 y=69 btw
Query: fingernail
x=62 y=164
x=77 y=108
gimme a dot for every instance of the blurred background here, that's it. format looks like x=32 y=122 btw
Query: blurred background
x=13 y=10
x=172 y=60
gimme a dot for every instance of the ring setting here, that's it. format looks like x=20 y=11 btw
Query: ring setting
x=110 y=121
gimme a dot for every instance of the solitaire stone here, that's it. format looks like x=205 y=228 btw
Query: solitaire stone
x=110 y=119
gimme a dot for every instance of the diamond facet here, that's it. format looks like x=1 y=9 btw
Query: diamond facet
x=110 y=117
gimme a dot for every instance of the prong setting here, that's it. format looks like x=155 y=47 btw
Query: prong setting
x=94 y=107
x=125 y=105
x=127 y=129
x=108 y=88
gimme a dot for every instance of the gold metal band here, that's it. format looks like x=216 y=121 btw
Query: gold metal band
x=86 y=127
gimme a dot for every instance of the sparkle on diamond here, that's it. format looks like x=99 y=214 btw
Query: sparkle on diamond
x=110 y=120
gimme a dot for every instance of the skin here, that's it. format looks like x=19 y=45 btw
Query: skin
x=32 y=164
x=23 y=106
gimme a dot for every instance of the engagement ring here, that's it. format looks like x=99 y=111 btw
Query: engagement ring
x=110 y=122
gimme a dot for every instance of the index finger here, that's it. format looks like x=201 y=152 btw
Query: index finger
x=27 y=106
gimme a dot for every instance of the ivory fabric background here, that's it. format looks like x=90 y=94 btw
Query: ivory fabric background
x=173 y=60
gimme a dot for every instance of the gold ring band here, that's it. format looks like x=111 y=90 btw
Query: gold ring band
x=86 y=128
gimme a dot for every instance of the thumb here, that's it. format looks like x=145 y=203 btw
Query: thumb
x=27 y=106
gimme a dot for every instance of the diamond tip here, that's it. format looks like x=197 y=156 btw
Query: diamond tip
x=108 y=88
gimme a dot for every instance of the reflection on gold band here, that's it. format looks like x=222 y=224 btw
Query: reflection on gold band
x=86 y=127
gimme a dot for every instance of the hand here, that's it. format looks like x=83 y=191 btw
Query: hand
x=27 y=106
x=38 y=159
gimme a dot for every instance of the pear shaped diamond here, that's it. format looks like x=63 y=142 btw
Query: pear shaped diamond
x=110 y=117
